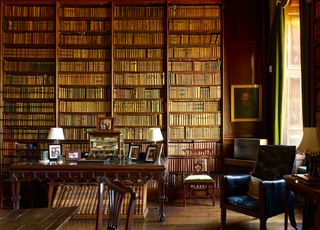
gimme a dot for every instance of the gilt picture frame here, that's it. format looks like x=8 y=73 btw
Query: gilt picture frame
x=246 y=103
x=104 y=124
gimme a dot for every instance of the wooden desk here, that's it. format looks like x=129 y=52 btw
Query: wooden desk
x=36 y=218
x=72 y=171
x=309 y=191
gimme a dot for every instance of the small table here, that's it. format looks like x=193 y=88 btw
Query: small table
x=36 y=218
x=310 y=190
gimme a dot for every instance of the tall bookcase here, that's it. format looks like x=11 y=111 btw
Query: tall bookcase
x=28 y=74
x=139 y=70
x=84 y=68
x=65 y=63
x=194 y=80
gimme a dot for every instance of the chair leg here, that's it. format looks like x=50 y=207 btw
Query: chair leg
x=213 y=195
x=185 y=190
x=223 y=217
x=263 y=224
x=292 y=218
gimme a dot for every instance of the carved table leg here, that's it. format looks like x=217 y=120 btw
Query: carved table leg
x=162 y=196
x=15 y=192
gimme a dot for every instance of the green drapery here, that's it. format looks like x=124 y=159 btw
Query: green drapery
x=277 y=75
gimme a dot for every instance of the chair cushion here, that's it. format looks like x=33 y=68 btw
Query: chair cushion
x=244 y=201
x=200 y=177
x=253 y=188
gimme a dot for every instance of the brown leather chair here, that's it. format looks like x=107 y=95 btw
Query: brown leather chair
x=116 y=194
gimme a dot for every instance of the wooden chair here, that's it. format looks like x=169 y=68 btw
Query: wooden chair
x=199 y=180
x=116 y=194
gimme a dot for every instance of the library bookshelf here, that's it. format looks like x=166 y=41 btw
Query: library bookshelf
x=144 y=63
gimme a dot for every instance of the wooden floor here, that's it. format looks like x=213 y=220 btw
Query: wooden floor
x=199 y=214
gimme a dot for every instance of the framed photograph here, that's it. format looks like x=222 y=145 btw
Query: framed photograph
x=151 y=155
x=54 y=151
x=104 y=123
x=134 y=151
x=73 y=155
x=246 y=103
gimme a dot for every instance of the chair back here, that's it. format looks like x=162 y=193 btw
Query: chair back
x=116 y=195
x=274 y=161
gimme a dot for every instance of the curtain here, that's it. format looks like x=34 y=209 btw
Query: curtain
x=277 y=32
x=305 y=40
x=306 y=85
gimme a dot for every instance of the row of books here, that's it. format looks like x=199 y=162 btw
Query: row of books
x=195 y=119
x=86 y=197
x=30 y=38
x=43 y=79
x=132 y=133
x=28 y=53
x=87 y=12
x=32 y=25
x=139 y=38
x=136 y=93
x=28 y=66
x=194 y=65
x=84 y=53
x=151 y=24
x=138 y=11
x=85 y=66
x=29 y=120
x=85 y=39
x=139 y=79
x=194 y=106
x=138 y=53
x=75 y=133
x=77 y=119
x=138 y=106
x=183 y=165
x=83 y=93
x=201 y=148
x=194 y=79
x=29 y=107
x=151 y=66
x=194 y=39
x=151 y=120
x=29 y=11
x=195 y=25
x=84 y=79
x=11 y=133
x=85 y=25
x=84 y=106
x=193 y=11
x=194 y=52
x=30 y=93
x=195 y=92
x=189 y=133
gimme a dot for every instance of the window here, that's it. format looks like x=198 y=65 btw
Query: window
x=292 y=114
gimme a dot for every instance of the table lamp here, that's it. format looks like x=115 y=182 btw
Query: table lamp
x=310 y=145
x=56 y=134
x=154 y=135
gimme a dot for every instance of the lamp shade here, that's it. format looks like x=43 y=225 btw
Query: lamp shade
x=154 y=135
x=56 y=134
x=310 y=142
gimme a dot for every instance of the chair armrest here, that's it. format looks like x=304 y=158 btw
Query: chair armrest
x=236 y=184
x=273 y=194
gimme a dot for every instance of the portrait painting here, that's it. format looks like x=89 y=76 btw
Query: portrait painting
x=246 y=103
x=104 y=124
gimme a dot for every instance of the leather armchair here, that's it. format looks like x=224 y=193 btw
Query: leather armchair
x=234 y=193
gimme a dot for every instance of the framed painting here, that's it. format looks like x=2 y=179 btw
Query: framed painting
x=152 y=155
x=246 y=103
x=73 y=155
x=134 y=151
x=104 y=123
x=54 y=151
